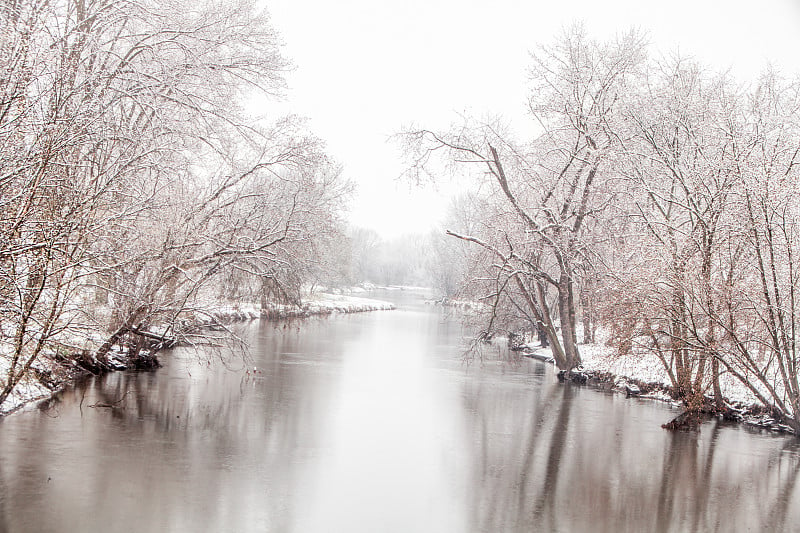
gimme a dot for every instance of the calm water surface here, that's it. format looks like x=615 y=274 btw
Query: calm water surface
x=371 y=423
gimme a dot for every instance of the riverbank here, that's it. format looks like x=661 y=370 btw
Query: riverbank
x=383 y=401
x=639 y=375
x=644 y=376
x=319 y=305
x=54 y=369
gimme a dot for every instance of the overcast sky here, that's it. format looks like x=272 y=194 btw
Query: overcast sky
x=366 y=68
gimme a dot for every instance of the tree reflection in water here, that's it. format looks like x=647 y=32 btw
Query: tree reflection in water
x=379 y=409
x=548 y=459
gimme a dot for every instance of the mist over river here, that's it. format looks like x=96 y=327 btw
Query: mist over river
x=371 y=422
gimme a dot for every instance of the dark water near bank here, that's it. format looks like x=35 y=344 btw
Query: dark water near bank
x=370 y=423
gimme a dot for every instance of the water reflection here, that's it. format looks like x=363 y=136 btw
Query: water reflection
x=555 y=458
x=371 y=423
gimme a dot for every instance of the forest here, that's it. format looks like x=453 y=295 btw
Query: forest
x=655 y=202
x=135 y=189
x=269 y=265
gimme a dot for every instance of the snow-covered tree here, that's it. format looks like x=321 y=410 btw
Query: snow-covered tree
x=549 y=189
x=132 y=179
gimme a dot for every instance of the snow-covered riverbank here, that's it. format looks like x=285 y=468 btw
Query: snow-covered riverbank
x=639 y=374
x=317 y=304
x=51 y=371
x=643 y=375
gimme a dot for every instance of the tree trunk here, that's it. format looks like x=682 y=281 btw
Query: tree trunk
x=566 y=311
x=719 y=402
x=549 y=328
x=586 y=314
x=102 y=352
x=541 y=332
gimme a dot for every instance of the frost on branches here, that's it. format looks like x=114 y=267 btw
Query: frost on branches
x=133 y=189
x=657 y=200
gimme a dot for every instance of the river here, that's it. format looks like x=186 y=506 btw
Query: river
x=372 y=423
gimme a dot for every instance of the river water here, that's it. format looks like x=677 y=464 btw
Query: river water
x=371 y=423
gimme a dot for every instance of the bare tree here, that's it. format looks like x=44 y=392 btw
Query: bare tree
x=757 y=310
x=549 y=188
x=131 y=178
x=682 y=169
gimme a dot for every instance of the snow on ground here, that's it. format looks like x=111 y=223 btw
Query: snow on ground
x=312 y=303
x=232 y=312
x=55 y=374
x=45 y=377
x=643 y=366
x=50 y=372
x=462 y=305
x=323 y=303
x=647 y=367
x=28 y=390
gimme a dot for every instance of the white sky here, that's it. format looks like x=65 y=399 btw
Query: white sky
x=366 y=68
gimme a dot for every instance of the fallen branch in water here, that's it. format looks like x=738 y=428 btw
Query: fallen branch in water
x=111 y=405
